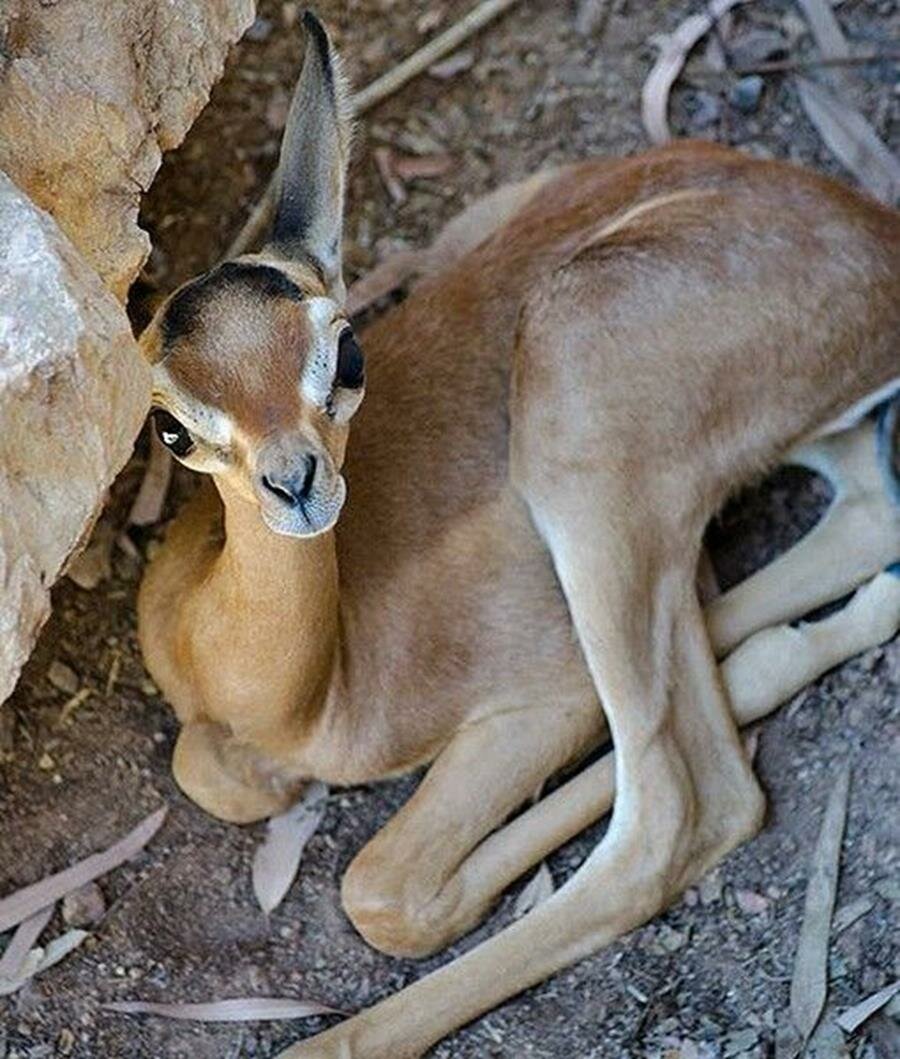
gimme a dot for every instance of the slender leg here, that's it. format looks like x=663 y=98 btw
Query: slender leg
x=776 y=663
x=858 y=536
x=759 y=676
x=408 y=891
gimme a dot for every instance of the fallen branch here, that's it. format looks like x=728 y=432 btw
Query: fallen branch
x=384 y=86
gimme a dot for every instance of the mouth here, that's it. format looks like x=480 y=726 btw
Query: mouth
x=309 y=517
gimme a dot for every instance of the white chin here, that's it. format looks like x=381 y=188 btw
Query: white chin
x=317 y=516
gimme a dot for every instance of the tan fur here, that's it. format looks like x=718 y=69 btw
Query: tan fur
x=549 y=424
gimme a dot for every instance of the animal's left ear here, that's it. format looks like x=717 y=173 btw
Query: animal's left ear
x=313 y=165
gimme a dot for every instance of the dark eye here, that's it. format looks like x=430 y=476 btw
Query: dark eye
x=174 y=435
x=350 y=372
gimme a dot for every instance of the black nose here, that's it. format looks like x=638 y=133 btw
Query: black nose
x=294 y=488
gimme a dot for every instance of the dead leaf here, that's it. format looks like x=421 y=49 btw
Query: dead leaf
x=852 y=140
x=826 y=29
x=27 y=933
x=238 y=1009
x=148 y=505
x=854 y=1017
x=755 y=46
x=539 y=888
x=674 y=50
x=23 y=903
x=276 y=861
x=39 y=960
x=809 y=983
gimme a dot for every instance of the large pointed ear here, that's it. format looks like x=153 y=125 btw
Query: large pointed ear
x=313 y=165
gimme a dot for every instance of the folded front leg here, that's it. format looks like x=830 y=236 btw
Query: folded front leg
x=418 y=884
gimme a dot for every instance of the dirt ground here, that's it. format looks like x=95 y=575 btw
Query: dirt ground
x=708 y=979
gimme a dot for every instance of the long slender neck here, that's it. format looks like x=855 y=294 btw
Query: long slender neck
x=281 y=652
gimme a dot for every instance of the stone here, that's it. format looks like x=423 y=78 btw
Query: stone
x=750 y=902
x=74 y=391
x=91 y=93
x=744 y=95
x=84 y=907
x=62 y=677
x=741 y=1041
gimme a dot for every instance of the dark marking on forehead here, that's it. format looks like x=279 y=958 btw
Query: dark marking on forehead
x=182 y=314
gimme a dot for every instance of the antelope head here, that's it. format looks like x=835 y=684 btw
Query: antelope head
x=256 y=370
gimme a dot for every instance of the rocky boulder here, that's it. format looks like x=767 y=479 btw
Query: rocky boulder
x=73 y=395
x=91 y=93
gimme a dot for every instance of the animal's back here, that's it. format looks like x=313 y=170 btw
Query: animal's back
x=437 y=553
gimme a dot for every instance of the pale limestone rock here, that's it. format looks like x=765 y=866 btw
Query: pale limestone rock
x=91 y=92
x=73 y=393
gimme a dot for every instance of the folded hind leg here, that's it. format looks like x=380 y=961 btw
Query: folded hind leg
x=858 y=536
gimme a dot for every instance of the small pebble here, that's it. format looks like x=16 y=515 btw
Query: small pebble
x=259 y=30
x=63 y=677
x=710 y=889
x=84 y=906
x=750 y=902
x=745 y=94
x=741 y=1041
x=703 y=108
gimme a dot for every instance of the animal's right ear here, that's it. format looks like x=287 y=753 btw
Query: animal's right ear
x=313 y=165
